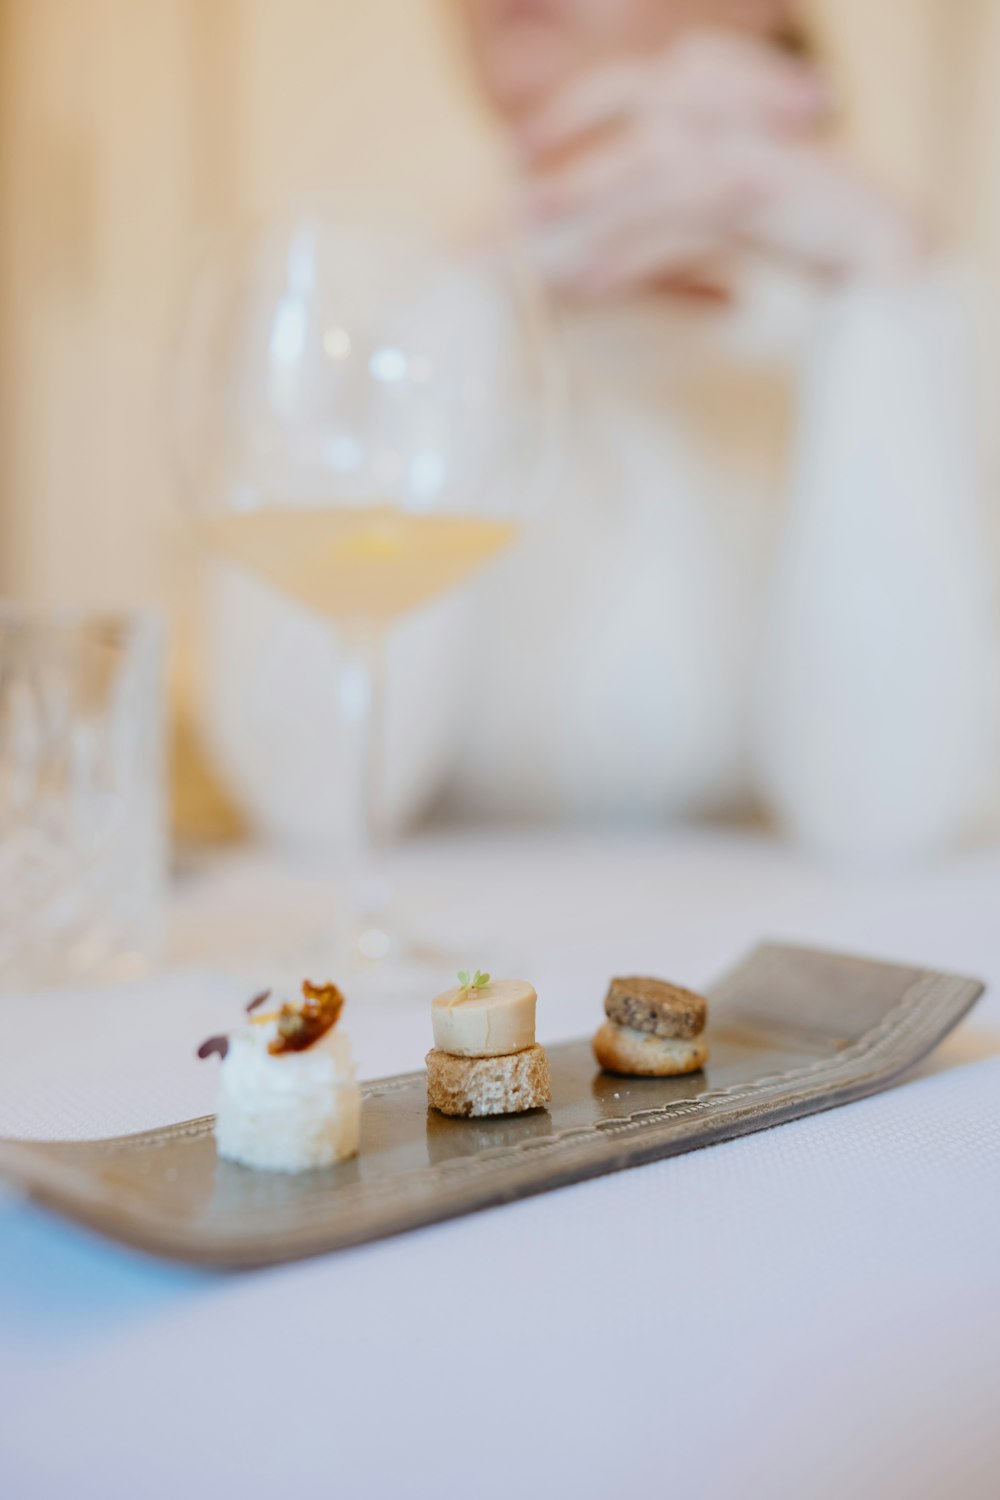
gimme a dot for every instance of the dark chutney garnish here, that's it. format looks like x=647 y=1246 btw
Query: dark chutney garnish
x=299 y=1026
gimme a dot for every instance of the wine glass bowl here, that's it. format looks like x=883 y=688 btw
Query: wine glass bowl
x=326 y=366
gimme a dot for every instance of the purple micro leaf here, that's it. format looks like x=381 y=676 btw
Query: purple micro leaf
x=219 y=1044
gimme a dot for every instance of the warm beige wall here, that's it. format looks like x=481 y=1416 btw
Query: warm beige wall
x=920 y=85
x=882 y=56
x=978 y=82
x=369 y=99
x=97 y=176
x=127 y=126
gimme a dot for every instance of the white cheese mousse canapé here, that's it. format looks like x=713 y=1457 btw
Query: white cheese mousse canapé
x=287 y=1111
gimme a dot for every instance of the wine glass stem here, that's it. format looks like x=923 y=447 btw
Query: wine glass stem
x=362 y=715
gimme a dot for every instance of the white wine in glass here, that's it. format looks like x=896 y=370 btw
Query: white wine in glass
x=355 y=564
x=359 y=421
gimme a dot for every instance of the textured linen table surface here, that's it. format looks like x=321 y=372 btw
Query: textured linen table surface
x=807 y=1312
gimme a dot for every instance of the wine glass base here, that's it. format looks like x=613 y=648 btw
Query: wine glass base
x=379 y=942
x=374 y=942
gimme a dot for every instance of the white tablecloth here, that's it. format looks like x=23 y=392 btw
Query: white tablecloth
x=812 y=1311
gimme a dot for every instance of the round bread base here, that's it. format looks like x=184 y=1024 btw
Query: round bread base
x=477 y=1086
x=640 y=1054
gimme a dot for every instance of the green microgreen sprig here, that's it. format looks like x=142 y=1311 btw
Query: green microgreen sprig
x=470 y=984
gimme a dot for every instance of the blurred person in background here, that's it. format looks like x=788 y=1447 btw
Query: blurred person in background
x=766 y=572
x=684 y=633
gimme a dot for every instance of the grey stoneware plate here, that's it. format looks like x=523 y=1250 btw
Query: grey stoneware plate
x=791 y=1032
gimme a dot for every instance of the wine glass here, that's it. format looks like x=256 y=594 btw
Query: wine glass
x=361 y=419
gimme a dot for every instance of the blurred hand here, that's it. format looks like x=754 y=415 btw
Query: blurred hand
x=649 y=170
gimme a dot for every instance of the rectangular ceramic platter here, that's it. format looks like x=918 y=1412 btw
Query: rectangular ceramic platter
x=791 y=1032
